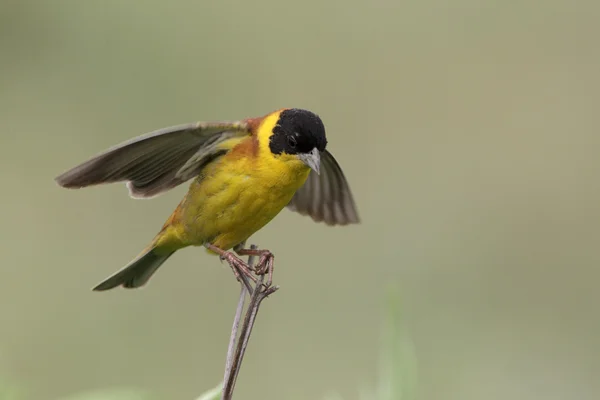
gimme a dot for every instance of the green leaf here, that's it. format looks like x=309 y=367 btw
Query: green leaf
x=398 y=370
x=333 y=396
x=10 y=392
x=112 y=394
x=213 y=394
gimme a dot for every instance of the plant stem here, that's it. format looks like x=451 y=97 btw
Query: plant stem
x=234 y=361
x=236 y=322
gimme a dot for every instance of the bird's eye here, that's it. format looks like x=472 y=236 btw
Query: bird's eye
x=292 y=142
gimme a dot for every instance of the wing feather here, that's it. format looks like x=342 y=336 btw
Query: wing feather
x=326 y=197
x=158 y=161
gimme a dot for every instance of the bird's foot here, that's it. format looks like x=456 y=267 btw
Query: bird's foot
x=265 y=263
x=237 y=265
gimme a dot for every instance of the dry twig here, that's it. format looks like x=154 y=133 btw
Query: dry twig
x=257 y=294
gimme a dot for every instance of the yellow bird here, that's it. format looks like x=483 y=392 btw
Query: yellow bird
x=244 y=173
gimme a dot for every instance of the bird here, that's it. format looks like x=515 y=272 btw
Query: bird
x=243 y=173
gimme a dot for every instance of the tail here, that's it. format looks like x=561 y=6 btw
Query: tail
x=137 y=272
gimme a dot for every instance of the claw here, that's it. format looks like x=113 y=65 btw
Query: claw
x=234 y=262
x=265 y=266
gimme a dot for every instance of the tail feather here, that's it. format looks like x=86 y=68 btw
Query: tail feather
x=137 y=272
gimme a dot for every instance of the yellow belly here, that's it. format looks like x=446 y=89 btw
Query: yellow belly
x=234 y=199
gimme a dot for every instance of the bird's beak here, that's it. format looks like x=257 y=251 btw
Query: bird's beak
x=312 y=160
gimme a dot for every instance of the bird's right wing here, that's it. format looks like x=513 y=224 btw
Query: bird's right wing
x=158 y=161
x=326 y=197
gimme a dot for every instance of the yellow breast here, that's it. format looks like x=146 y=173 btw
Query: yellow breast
x=239 y=193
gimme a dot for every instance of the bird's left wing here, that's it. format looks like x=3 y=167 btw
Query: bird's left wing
x=158 y=161
x=326 y=197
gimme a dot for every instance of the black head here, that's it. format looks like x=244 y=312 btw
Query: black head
x=298 y=132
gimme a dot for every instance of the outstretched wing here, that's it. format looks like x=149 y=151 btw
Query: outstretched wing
x=326 y=197
x=158 y=161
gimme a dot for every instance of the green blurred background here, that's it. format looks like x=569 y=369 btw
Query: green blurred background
x=469 y=131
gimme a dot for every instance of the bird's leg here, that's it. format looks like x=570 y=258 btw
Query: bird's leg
x=233 y=261
x=265 y=262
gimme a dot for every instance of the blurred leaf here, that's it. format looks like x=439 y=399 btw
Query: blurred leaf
x=9 y=391
x=367 y=394
x=398 y=370
x=333 y=396
x=112 y=394
x=213 y=394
